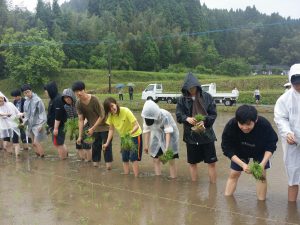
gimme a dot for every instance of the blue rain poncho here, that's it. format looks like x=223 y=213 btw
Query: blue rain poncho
x=287 y=119
x=163 y=123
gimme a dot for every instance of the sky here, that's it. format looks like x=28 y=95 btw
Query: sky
x=283 y=7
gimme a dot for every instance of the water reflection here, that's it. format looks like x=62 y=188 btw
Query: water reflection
x=49 y=191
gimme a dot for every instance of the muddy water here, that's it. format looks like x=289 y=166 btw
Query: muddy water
x=49 y=191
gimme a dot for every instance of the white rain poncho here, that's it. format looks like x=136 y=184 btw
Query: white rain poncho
x=35 y=117
x=287 y=119
x=8 y=124
x=163 y=123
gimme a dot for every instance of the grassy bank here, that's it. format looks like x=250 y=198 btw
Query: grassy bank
x=97 y=82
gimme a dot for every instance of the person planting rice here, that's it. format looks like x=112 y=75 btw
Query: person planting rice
x=161 y=137
x=89 y=108
x=123 y=120
x=200 y=145
x=56 y=119
x=287 y=119
x=9 y=116
x=19 y=103
x=84 y=149
x=244 y=137
x=35 y=119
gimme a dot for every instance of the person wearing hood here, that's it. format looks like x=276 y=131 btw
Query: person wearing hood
x=160 y=134
x=200 y=147
x=19 y=103
x=287 y=119
x=56 y=119
x=34 y=119
x=8 y=125
x=69 y=99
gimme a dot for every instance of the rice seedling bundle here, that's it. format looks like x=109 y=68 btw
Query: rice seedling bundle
x=127 y=144
x=167 y=156
x=257 y=171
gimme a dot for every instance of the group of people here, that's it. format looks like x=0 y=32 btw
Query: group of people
x=130 y=92
x=246 y=136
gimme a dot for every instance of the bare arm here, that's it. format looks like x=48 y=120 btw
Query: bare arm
x=238 y=161
x=109 y=137
x=168 y=139
x=80 y=128
x=266 y=158
x=135 y=128
x=146 y=140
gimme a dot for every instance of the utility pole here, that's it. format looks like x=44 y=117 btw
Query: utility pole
x=109 y=69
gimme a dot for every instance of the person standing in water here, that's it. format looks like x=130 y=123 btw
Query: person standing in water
x=287 y=119
x=200 y=147
x=160 y=134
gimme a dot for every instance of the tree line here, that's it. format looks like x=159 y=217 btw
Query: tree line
x=170 y=35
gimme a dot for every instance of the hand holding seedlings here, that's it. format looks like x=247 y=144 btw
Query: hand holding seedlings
x=167 y=156
x=191 y=120
x=199 y=125
x=246 y=168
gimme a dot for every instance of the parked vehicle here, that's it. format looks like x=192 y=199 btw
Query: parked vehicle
x=227 y=99
x=155 y=92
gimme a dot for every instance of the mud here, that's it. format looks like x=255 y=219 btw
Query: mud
x=49 y=191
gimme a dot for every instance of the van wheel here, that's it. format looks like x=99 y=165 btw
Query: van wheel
x=227 y=103
x=150 y=98
x=169 y=100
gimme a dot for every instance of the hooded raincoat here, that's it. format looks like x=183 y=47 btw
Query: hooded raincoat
x=35 y=116
x=287 y=119
x=8 y=124
x=70 y=109
x=184 y=110
x=56 y=110
x=163 y=123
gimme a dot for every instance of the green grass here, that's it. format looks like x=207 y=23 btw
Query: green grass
x=97 y=83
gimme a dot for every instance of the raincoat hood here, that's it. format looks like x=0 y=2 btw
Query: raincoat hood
x=294 y=70
x=2 y=95
x=52 y=90
x=68 y=93
x=151 y=110
x=189 y=82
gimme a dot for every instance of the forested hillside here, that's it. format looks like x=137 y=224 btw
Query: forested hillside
x=155 y=35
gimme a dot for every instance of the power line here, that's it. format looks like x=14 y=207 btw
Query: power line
x=176 y=35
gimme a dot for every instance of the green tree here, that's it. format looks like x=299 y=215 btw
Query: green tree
x=166 y=53
x=150 y=56
x=234 y=67
x=31 y=57
x=3 y=15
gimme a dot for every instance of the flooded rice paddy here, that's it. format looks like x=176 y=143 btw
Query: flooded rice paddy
x=50 y=191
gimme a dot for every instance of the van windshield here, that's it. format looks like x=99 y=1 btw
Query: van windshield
x=205 y=88
x=150 y=88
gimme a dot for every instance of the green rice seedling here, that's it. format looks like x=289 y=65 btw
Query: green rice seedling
x=127 y=144
x=199 y=117
x=71 y=127
x=257 y=171
x=167 y=156
x=88 y=139
x=199 y=128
